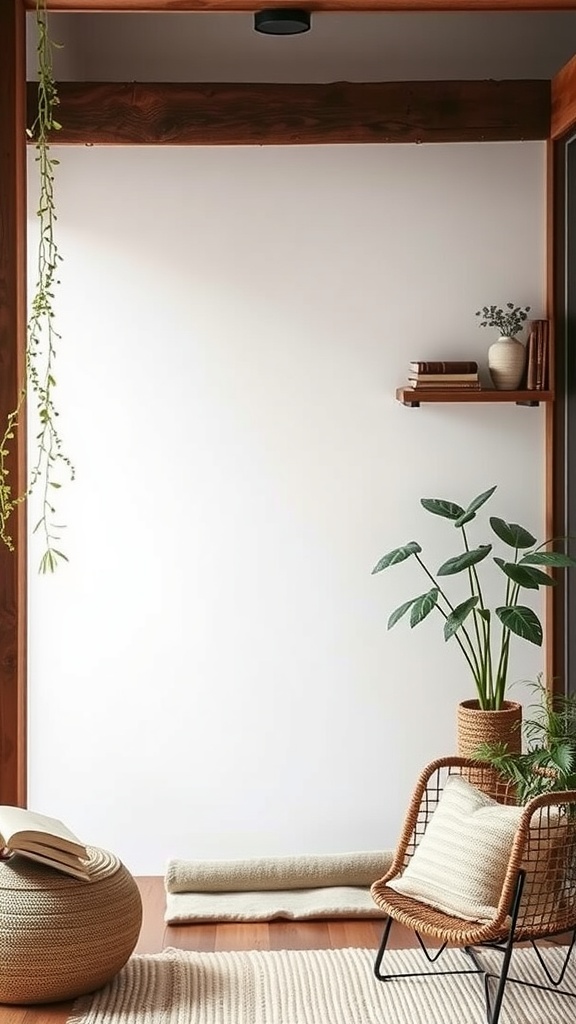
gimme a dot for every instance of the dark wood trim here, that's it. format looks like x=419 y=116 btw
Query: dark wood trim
x=554 y=483
x=12 y=364
x=560 y=455
x=566 y=462
x=563 y=100
x=110 y=113
x=351 y=6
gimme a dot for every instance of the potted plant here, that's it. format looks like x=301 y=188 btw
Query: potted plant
x=548 y=764
x=482 y=634
x=544 y=777
x=507 y=355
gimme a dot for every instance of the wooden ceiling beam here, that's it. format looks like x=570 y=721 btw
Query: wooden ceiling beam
x=176 y=114
x=341 y=6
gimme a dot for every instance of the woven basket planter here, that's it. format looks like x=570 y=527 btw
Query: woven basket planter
x=60 y=937
x=476 y=726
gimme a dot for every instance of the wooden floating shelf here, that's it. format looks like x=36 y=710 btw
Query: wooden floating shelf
x=413 y=397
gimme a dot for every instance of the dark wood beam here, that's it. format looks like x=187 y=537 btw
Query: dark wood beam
x=353 y=6
x=563 y=100
x=12 y=375
x=108 y=113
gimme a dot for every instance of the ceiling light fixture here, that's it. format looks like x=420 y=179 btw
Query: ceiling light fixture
x=282 y=21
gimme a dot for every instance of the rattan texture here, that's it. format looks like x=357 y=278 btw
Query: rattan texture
x=544 y=847
x=476 y=726
x=61 y=937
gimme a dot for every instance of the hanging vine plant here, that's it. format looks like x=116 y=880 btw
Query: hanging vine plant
x=50 y=462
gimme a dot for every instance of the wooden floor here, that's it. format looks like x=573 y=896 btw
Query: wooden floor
x=156 y=936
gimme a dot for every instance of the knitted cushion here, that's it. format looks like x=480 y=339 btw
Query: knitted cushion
x=61 y=937
x=460 y=863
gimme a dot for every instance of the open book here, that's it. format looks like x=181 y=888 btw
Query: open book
x=43 y=839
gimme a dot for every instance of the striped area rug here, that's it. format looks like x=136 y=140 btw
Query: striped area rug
x=334 y=986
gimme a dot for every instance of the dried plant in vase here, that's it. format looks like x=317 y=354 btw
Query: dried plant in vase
x=507 y=355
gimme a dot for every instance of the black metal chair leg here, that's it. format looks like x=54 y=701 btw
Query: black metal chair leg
x=514 y=911
x=382 y=949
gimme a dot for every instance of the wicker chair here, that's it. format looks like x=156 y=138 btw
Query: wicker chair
x=537 y=900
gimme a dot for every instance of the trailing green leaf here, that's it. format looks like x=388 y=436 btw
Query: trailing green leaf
x=42 y=336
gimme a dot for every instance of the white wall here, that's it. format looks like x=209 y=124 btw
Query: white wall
x=211 y=674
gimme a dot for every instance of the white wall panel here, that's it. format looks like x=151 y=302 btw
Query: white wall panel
x=211 y=674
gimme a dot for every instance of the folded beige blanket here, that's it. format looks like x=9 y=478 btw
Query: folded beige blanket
x=294 y=904
x=276 y=873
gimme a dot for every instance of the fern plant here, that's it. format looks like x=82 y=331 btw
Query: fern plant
x=549 y=762
x=482 y=635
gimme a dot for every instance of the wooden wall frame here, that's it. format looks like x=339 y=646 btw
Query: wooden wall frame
x=522 y=110
x=12 y=370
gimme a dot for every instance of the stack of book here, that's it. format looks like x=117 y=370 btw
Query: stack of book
x=537 y=356
x=444 y=375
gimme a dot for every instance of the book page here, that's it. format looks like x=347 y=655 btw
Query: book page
x=77 y=871
x=18 y=822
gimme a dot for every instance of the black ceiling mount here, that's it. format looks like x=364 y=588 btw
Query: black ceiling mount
x=282 y=21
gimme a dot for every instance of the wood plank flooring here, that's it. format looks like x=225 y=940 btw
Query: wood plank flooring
x=155 y=936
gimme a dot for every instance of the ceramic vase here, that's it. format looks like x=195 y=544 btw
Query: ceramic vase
x=506 y=361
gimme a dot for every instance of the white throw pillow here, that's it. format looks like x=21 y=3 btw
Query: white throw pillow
x=460 y=863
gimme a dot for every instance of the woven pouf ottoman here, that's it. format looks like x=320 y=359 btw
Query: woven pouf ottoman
x=61 y=937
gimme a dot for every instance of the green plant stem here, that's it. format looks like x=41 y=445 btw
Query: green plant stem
x=469 y=655
x=511 y=599
x=7 y=500
x=484 y=681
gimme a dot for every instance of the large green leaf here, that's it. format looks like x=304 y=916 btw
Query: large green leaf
x=512 y=534
x=400 y=611
x=523 y=622
x=440 y=507
x=524 y=576
x=398 y=555
x=553 y=558
x=473 y=507
x=464 y=561
x=459 y=616
x=423 y=605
